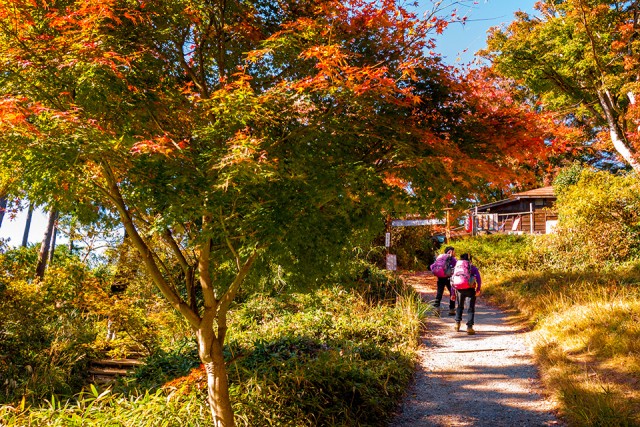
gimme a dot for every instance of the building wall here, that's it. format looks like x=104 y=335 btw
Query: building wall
x=520 y=209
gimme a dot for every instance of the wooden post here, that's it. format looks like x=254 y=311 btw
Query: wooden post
x=474 y=231
x=532 y=226
x=448 y=227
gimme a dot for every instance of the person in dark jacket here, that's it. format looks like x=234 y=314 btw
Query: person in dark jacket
x=471 y=290
x=444 y=282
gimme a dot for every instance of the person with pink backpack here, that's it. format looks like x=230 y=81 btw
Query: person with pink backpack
x=442 y=268
x=467 y=283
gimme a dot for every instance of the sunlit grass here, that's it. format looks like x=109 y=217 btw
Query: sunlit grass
x=588 y=343
x=587 y=325
x=99 y=408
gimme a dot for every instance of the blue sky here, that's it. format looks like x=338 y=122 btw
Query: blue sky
x=14 y=228
x=472 y=35
x=457 y=44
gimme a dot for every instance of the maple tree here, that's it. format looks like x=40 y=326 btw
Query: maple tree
x=578 y=58
x=231 y=137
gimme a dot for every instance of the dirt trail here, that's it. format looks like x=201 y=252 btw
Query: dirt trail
x=487 y=379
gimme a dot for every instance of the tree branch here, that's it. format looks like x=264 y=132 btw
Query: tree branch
x=144 y=250
x=230 y=295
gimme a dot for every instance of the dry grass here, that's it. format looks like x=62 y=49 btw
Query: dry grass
x=588 y=343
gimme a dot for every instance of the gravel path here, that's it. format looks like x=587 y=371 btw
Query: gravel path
x=487 y=379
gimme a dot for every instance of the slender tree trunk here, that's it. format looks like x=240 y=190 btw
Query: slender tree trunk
x=217 y=381
x=72 y=231
x=53 y=240
x=3 y=207
x=210 y=345
x=46 y=243
x=27 y=226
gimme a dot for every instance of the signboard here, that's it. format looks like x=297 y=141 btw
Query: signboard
x=387 y=239
x=416 y=222
x=392 y=262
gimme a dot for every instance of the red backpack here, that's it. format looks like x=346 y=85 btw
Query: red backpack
x=442 y=266
x=462 y=277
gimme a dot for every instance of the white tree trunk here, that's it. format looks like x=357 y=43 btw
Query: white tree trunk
x=623 y=149
x=618 y=138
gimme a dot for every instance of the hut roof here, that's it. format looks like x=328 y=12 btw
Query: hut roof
x=537 y=193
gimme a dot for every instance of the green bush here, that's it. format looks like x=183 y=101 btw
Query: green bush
x=599 y=218
x=413 y=247
x=44 y=333
x=166 y=365
x=333 y=357
x=503 y=252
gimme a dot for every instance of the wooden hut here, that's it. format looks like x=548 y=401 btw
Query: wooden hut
x=529 y=212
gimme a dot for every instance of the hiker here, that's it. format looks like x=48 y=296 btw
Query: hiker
x=442 y=268
x=467 y=282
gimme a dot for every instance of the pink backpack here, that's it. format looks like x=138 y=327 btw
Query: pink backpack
x=462 y=278
x=442 y=268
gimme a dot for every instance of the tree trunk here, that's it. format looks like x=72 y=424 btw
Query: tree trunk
x=46 y=242
x=27 y=226
x=53 y=240
x=617 y=135
x=72 y=232
x=210 y=344
x=212 y=357
x=3 y=207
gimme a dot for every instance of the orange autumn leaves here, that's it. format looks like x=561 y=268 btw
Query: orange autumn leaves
x=344 y=54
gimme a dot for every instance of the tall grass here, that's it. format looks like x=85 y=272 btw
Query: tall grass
x=94 y=409
x=587 y=323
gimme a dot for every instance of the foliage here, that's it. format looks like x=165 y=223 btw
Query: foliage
x=137 y=313
x=567 y=177
x=413 y=247
x=326 y=358
x=233 y=136
x=598 y=218
x=165 y=365
x=51 y=329
x=45 y=332
x=578 y=58
x=99 y=409
x=598 y=225
x=502 y=252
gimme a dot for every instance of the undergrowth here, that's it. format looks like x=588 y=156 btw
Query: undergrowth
x=333 y=357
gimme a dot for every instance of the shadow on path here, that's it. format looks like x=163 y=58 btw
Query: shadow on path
x=487 y=379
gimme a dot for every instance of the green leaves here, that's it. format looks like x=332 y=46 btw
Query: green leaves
x=575 y=58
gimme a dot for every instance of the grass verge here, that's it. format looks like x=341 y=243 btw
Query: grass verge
x=587 y=325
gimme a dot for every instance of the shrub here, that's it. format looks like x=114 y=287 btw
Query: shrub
x=599 y=218
x=503 y=252
x=330 y=357
x=413 y=247
x=44 y=332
